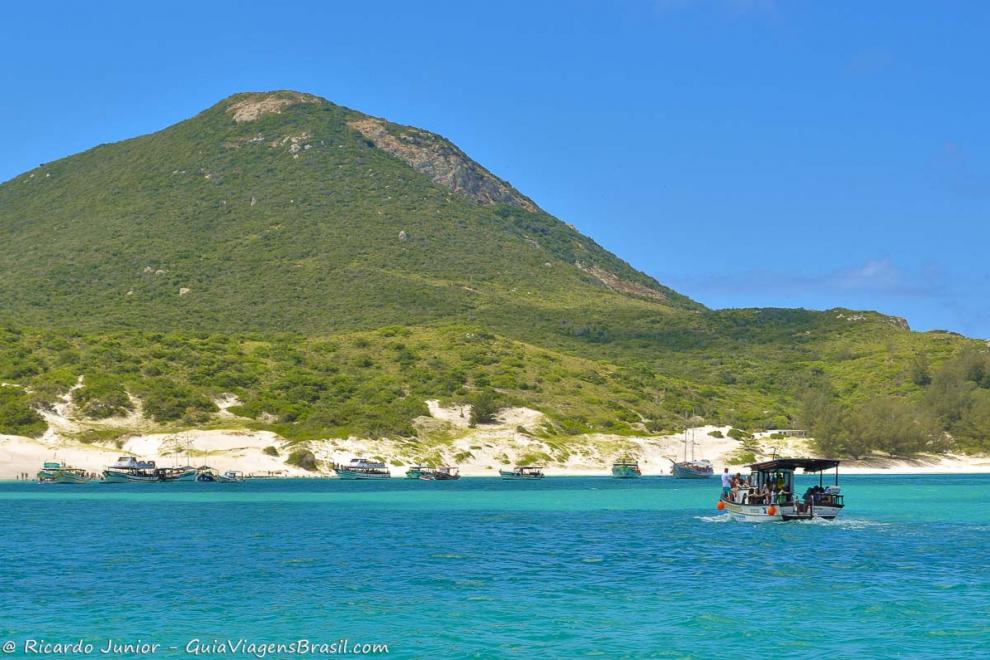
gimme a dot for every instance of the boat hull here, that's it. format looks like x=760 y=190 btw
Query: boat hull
x=186 y=475
x=686 y=472
x=781 y=512
x=112 y=477
x=624 y=472
x=511 y=476
x=56 y=477
x=353 y=475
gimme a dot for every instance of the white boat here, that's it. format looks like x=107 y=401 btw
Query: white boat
x=129 y=470
x=231 y=476
x=522 y=472
x=753 y=504
x=362 y=468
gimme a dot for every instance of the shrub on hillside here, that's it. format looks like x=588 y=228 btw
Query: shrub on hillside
x=302 y=458
x=16 y=415
x=167 y=401
x=101 y=397
x=484 y=407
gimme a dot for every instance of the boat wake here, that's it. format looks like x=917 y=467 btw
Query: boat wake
x=721 y=518
x=846 y=523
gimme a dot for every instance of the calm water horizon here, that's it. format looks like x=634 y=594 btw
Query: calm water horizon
x=564 y=567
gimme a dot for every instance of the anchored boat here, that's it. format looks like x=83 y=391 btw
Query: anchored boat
x=129 y=470
x=693 y=469
x=230 y=476
x=520 y=472
x=442 y=473
x=362 y=468
x=626 y=468
x=771 y=497
x=178 y=474
x=60 y=473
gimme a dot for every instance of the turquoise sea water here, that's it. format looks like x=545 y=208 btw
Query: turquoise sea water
x=566 y=567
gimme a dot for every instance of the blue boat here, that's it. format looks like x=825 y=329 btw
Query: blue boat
x=626 y=468
x=692 y=470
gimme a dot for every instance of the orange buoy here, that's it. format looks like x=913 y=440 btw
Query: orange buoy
x=720 y=505
x=771 y=510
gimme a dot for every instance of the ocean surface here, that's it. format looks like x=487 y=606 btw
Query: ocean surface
x=566 y=567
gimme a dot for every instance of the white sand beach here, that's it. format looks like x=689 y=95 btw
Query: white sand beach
x=445 y=437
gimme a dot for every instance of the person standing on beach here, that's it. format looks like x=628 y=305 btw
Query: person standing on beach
x=726 y=483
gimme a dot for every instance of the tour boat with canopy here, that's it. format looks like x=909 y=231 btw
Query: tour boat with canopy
x=522 y=472
x=442 y=473
x=129 y=470
x=362 y=468
x=770 y=495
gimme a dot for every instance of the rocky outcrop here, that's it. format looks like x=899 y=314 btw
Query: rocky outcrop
x=258 y=105
x=612 y=281
x=441 y=161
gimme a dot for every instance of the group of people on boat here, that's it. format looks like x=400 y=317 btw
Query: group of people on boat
x=817 y=495
x=744 y=490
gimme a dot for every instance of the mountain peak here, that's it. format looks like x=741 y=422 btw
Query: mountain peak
x=251 y=106
x=281 y=209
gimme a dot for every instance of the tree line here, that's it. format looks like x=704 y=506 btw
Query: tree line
x=951 y=412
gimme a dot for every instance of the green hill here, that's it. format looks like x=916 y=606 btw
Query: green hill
x=334 y=270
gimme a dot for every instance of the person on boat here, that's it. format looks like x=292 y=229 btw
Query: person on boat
x=726 y=483
x=783 y=495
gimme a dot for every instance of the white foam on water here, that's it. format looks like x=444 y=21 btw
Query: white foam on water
x=846 y=523
x=721 y=518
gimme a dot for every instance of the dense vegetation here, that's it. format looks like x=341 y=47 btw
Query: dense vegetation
x=333 y=289
x=952 y=411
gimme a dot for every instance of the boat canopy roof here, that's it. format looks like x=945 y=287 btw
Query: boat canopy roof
x=807 y=464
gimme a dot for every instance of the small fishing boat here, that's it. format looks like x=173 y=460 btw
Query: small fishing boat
x=771 y=497
x=129 y=470
x=522 y=472
x=230 y=476
x=416 y=471
x=185 y=473
x=626 y=468
x=59 y=473
x=206 y=474
x=362 y=468
x=442 y=473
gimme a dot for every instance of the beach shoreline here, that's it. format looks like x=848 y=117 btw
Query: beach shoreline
x=478 y=452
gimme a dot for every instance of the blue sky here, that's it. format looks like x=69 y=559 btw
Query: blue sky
x=745 y=152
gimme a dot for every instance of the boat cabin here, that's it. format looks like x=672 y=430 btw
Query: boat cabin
x=131 y=463
x=778 y=475
x=365 y=464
